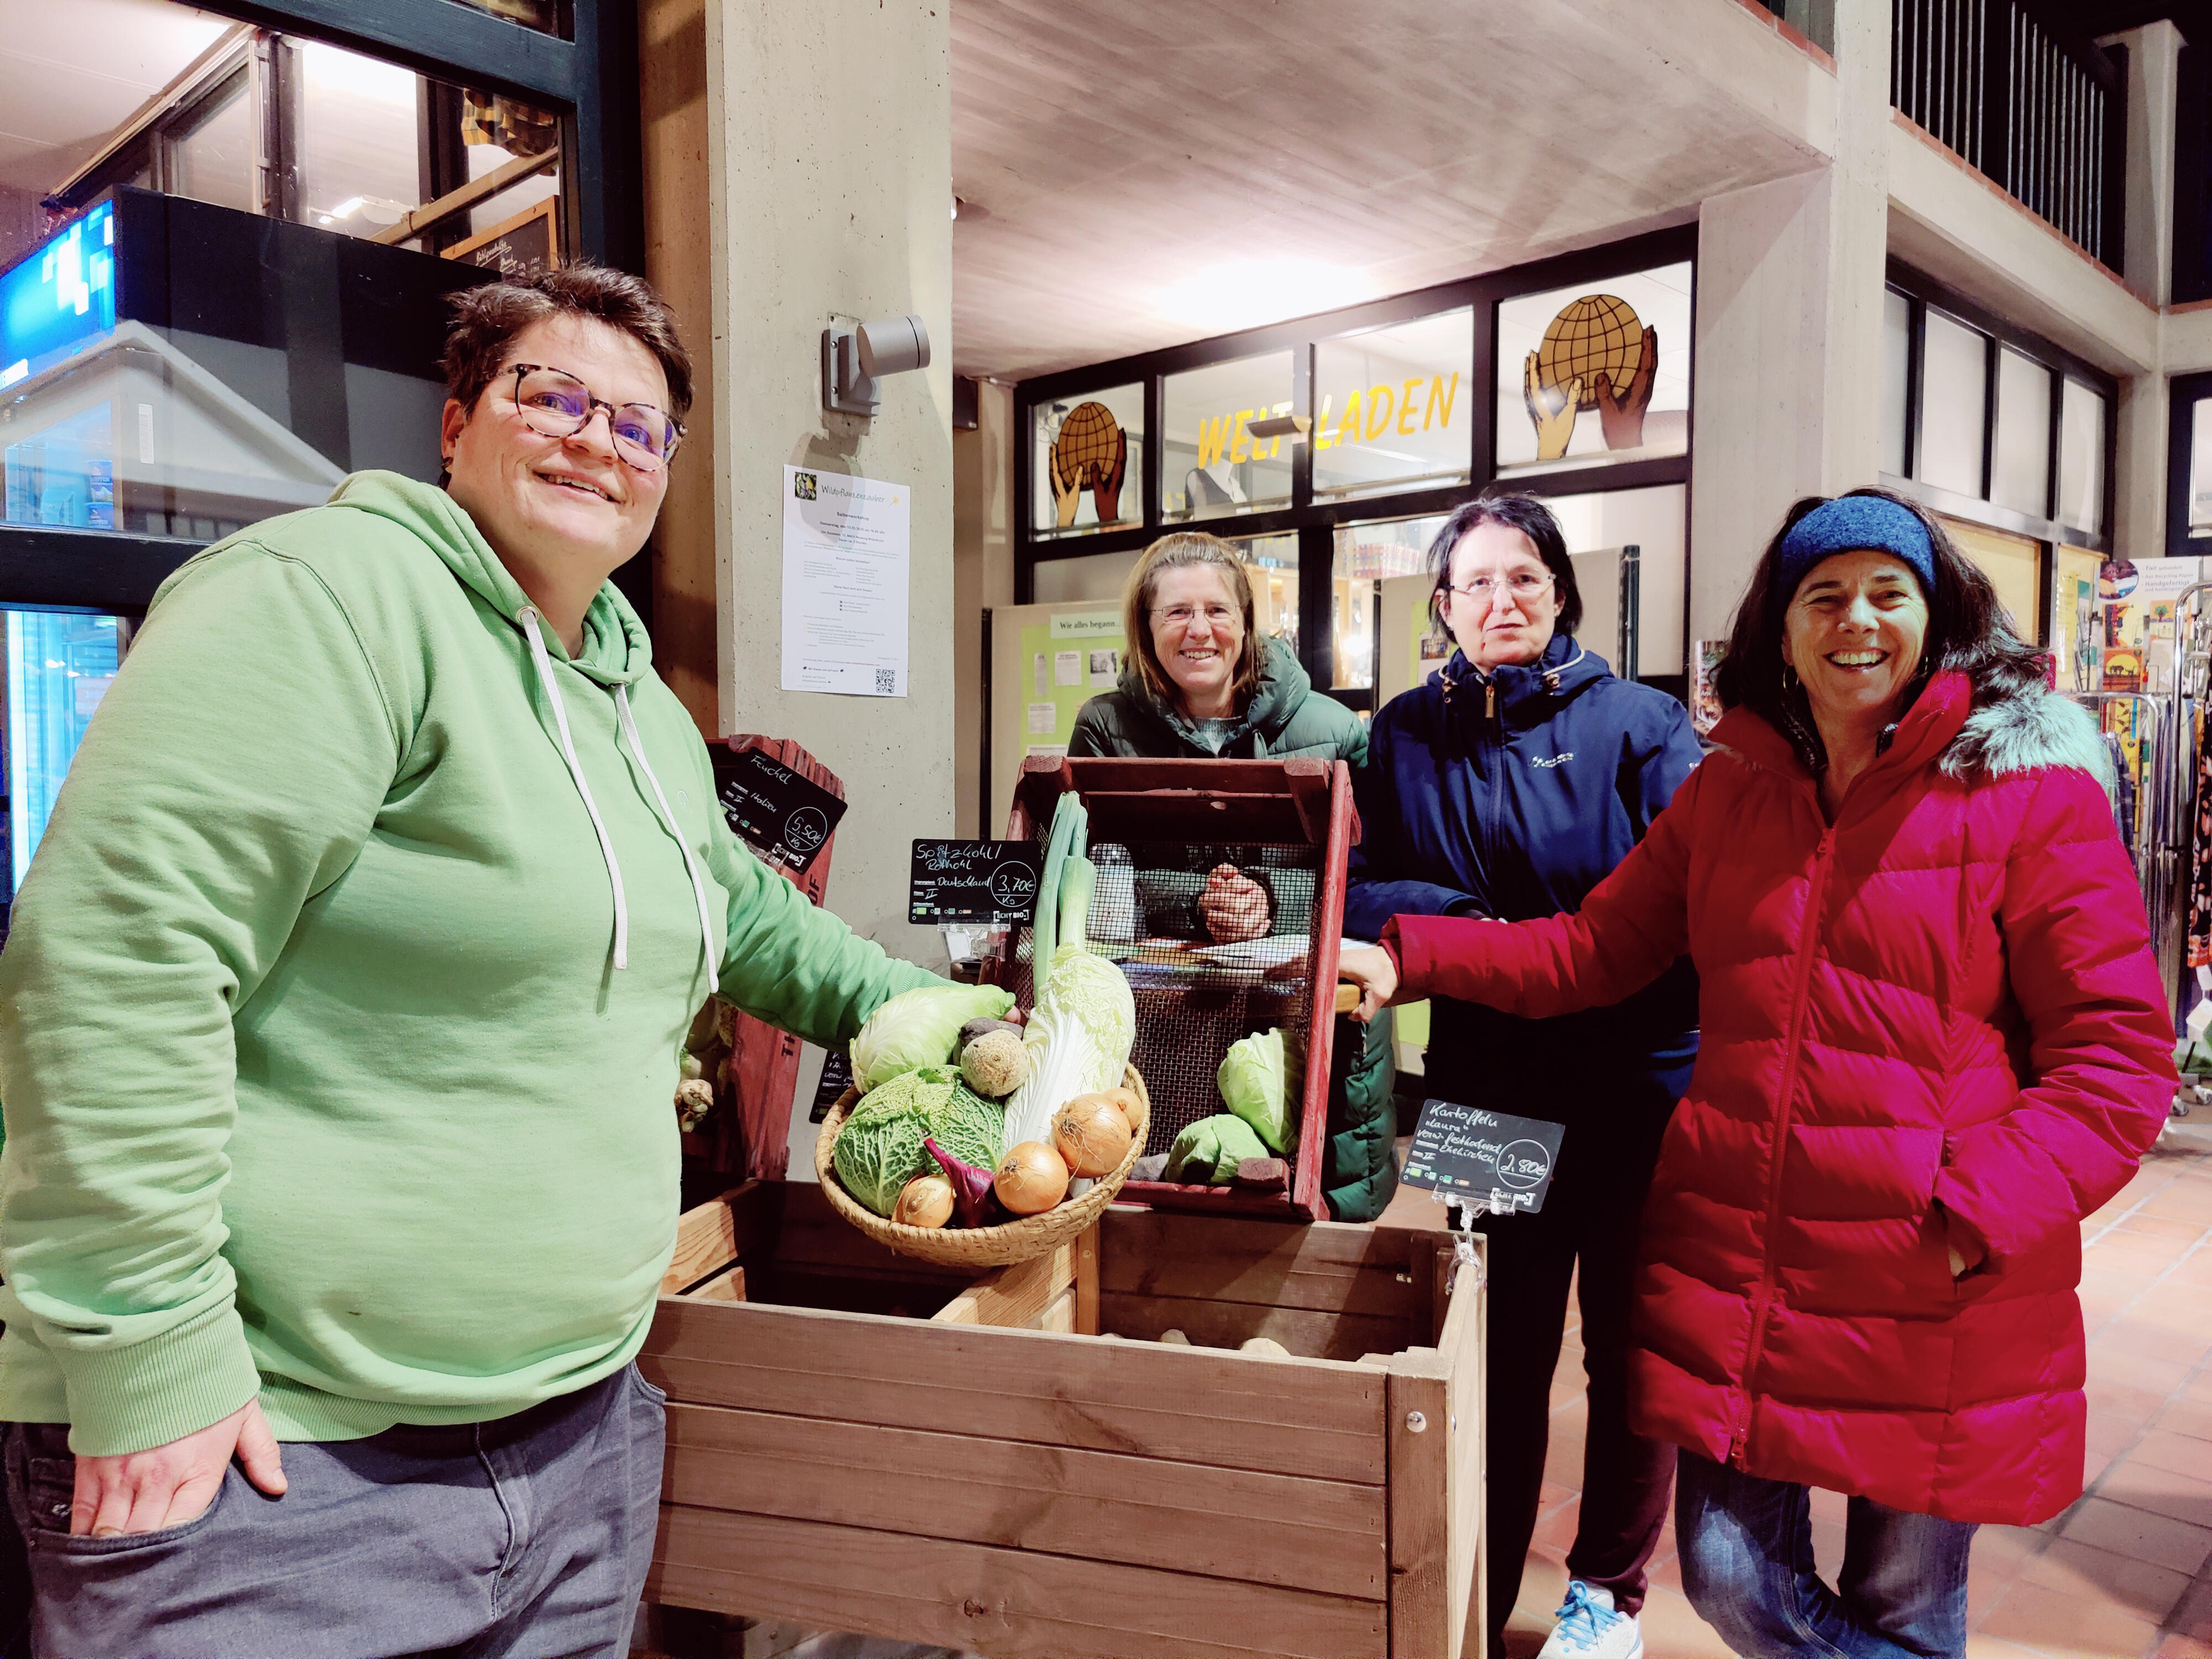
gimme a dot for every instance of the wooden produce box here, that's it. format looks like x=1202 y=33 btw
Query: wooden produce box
x=1010 y=1465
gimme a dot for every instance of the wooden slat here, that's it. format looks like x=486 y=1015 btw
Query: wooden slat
x=1211 y=1324
x=1284 y=1529
x=1329 y=1266
x=1421 y=1614
x=1059 y=1315
x=1086 y=1280
x=727 y=1286
x=1016 y=1296
x=1463 y=1343
x=1348 y=996
x=711 y=1237
x=815 y=1239
x=415 y=220
x=1008 y=1603
x=1181 y=1404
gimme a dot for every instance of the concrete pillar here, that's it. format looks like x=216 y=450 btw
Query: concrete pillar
x=1788 y=364
x=983 y=579
x=2154 y=74
x=800 y=167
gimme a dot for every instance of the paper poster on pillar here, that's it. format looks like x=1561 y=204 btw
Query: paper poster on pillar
x=846 y=557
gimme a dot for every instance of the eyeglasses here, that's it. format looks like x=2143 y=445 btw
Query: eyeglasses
x=1521 y=585
x=556 y=402
x=1182 y=616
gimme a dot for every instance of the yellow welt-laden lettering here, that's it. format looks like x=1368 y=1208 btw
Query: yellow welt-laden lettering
x=1381 y=402
x=1212 y=436
x=1347 y=429
x=1405 y=395
x=1438 y=389
x=1240 y=441
x=1323 y=438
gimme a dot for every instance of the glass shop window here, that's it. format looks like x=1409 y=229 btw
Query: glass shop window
x=1211 y=462
x=1595 y=374
x=1896 y=378
x=1379 y=573
x=1954 y=367
x=2081 y=420
x=211 y=157
x=2020 y=464
x=1087 y=463
x=59 y=667
x=543 y=15
x=360 y=140
x=1393 y=407
x=2200 y=467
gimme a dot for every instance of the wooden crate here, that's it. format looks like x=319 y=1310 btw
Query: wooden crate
x=875 y=1445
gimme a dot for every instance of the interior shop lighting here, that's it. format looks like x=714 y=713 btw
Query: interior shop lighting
x=1241 y=294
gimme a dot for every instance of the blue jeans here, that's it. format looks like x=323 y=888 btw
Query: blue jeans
x=1747 y=1549
x=523 y=1538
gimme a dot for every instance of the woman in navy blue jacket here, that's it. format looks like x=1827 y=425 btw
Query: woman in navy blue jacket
x=1510 y=785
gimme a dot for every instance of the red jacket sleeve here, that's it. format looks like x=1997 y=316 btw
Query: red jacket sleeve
x=1633 y=926
x=2101 y=1040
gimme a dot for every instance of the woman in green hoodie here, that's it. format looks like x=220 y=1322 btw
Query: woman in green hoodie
x=1200 y=682
x=339 y=1027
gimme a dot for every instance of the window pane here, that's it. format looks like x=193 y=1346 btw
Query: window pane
x=58 y=667
x=542 y=16
x=2014 y=565
x=360 y=169
x=214 y=161
x=1392 y=407
x=2020 y=471
x=1574 y=334
x=1087 y=462
x=2082 y=458
x=1271 y=563
x=1598 y=527
x=494 y=129
x=1100 y=576
x=1896 y=372
x=2200 y=467
x=1953 y=382
x=1210 y=464
x=1367 y=556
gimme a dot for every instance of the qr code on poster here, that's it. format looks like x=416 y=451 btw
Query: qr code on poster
x=886 y=681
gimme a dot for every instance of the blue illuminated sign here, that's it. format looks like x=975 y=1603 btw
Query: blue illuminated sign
x=59 y=298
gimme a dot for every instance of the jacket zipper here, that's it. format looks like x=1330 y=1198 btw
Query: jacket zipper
x=1800 y=984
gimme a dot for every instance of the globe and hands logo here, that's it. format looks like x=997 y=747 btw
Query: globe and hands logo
x=1596 y=353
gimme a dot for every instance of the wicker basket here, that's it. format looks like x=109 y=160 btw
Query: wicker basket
x=1022 y=1240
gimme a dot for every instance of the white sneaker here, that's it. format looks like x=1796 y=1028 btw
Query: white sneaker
x=1588 y=1628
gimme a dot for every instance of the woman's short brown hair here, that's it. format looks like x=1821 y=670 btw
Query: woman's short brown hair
x=486 y=319
x=1180 y=550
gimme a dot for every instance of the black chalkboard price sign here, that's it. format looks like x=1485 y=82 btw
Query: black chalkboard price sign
x=972 y=881
x=1490 y=1160
x=780 y=815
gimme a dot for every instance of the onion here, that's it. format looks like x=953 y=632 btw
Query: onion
x=971 y=1189
x=1031 y=1178
x=1090 y=1134
x=1132 y=1108
x=924 y=1201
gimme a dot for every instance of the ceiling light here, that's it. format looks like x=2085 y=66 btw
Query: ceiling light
x=351 y=205
x=1241 y=294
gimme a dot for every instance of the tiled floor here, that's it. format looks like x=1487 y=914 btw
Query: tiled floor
x=2126 y=1573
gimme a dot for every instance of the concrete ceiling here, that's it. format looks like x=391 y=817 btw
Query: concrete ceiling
x=71 y=71
x=1153 y=172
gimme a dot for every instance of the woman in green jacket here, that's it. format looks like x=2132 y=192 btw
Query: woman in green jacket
x=339 y=1032
x=1199 y=682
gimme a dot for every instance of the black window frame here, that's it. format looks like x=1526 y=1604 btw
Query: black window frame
x=587 y=75
x=1923 y=292
x=1314 y=522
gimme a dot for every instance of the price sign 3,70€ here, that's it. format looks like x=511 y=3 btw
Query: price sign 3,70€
x=1494 y=1159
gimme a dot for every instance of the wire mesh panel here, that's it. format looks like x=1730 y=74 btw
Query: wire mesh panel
x=1158 y=830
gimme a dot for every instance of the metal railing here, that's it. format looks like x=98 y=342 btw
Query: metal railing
x=2037 y=110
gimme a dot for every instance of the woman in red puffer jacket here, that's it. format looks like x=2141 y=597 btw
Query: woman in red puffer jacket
x=1934 y=1039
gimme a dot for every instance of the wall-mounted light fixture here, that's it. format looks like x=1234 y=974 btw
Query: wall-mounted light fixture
x=1294 y=427
x=854 y=358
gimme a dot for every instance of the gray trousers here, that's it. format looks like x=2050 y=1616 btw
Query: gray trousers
x=526 y=1538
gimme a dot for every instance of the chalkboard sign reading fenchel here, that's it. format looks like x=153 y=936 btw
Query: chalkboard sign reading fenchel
x=1489 y=1160
x=783 y=816
x=972 y=881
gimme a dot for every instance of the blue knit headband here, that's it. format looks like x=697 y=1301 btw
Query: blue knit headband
x=1849 y=522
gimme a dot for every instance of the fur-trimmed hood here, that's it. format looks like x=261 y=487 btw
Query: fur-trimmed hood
x=2020 y=734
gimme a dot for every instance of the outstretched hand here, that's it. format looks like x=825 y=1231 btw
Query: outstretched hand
x=1551 y=410
x=1622 y=418
x=167 y=1486
x=1066 y=493
x=1375 y=972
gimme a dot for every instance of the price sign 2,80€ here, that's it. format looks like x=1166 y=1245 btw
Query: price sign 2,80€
x=1493 y=1159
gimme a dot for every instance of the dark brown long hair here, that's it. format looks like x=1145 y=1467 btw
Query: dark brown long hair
x=1967 y=630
